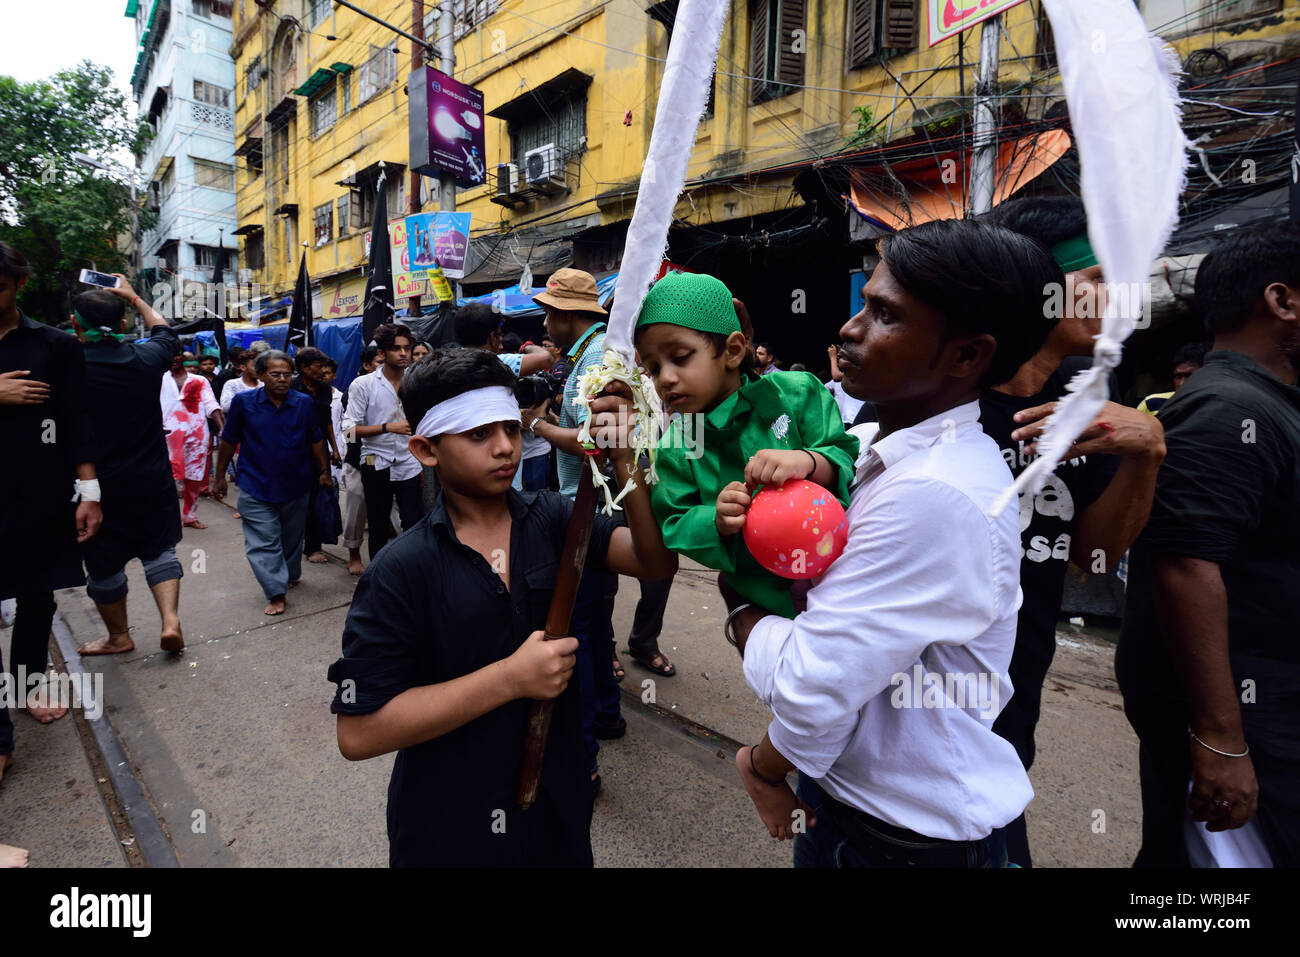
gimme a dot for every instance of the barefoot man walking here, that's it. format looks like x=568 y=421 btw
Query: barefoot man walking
x=141 y=517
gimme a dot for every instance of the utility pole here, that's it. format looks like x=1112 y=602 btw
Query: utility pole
x=417 y=61
x=984 y=166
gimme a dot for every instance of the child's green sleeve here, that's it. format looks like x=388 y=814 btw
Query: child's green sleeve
x=822 y=429
x=685 y=521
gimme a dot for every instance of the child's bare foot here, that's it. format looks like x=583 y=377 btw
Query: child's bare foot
x=12 y=856
x=172 y=638
x=776 y=806
x=114 y=644
x=317 y=558
x=355 y=567
x=42 y=707
x=6 y=762
x=275 y=606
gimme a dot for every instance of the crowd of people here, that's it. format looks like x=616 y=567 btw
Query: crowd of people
x=458 y=468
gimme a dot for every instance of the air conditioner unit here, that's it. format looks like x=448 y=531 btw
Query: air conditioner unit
x=542 y=169
x=245 y=275
x=507 y=179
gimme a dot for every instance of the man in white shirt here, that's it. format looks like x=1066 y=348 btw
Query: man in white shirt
x=247 y=379
x=884 y=691
x=388 y=470
x=848 y=405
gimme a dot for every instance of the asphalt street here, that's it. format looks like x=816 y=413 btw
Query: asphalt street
x=231 y=745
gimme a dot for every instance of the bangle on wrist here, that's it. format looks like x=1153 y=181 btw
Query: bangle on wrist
x=770 y=783
x=1226 y=754
x=383 y=428
x=727 y=630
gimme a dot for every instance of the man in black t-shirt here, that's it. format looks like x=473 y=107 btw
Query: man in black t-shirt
x=310 y=363
x=1095 y=502
x=141 y=518
x=1208 y=660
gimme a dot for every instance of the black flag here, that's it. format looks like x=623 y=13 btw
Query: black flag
x=379 y=276
x=300 y=312
x=219 y=320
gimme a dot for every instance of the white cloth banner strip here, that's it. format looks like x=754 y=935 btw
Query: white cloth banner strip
x=1121 y=85
x=692 y=54
x=469 y=410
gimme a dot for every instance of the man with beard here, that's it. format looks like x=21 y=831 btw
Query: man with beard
x=1207 y=659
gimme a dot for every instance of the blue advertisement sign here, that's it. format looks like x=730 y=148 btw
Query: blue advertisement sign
x=437 y=239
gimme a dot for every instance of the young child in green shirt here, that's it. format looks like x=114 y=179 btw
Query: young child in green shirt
x=737 y=431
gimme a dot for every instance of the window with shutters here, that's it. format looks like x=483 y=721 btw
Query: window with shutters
x=376 y=73
x=211 y=94
x=665 y=11
x=345 y=85
x=322 y=218
x=255 y=251
x=214 y=175
x=324 y=110
x=880 y=29
x=778 y=45
x=318 y=12
x=344 y=203
x=562 y=122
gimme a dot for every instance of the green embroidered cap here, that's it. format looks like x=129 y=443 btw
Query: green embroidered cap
x=1074 y=254
x=691 y=300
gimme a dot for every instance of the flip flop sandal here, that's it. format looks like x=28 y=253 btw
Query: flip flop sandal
x=619 y=673
x=665 y=670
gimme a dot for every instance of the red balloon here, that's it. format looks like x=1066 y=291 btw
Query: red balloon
x=796 y=531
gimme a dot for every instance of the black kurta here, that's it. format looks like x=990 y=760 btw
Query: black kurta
x=42 y=446
x=429 y=609
x=141 y=515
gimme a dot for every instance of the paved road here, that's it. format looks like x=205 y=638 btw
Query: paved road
x=234 y=744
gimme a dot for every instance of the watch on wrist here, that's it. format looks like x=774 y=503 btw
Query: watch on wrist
x=383 y=428
x=532 y=426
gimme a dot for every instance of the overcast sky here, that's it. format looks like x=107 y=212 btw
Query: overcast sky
x=41 y=37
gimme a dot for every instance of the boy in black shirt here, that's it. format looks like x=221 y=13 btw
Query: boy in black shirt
x=1095 y=502
x=442 y=650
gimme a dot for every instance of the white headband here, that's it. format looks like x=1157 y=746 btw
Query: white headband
x=469 y=410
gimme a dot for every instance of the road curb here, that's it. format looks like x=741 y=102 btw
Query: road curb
x=150 y=838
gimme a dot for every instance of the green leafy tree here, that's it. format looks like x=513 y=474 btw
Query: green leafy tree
x=62 y=214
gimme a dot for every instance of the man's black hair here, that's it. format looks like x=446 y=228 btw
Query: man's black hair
x=512 y=342
x=368 y=355
x=386 y=335
x=1048 y=219
x=306 y=356
x=445 y=373
x=99 y=308
x=237 y=356
x=208 y=357
x=983 y=279
x=763 y=345
x=331 y=363
x=1233 y=277
x=13 y=264
x=475 y=324
x=1193 y=352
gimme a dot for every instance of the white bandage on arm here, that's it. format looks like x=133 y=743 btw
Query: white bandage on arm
x=469 y=410
x=87 y=490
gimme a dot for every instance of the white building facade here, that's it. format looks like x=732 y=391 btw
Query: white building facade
x=183 y=84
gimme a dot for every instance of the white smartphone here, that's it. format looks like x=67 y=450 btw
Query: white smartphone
x=92 y=278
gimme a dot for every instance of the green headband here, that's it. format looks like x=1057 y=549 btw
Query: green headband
x=693 y=301
x=96 y=333
x=1074 y=254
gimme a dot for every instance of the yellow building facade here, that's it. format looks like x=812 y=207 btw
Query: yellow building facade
x=570 y=90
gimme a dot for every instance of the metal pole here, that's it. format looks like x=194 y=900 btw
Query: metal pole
x=447 y=64
x=371 y=16
x=984 y=167
x=418 y=46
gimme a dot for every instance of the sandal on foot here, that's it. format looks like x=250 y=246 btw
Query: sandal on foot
x=664 y=669
x=619 y=673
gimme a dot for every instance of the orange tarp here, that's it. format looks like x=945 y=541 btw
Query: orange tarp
x=927 y=188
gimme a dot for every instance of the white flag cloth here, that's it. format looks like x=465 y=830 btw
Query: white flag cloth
x=692 y=53
x=697 y=30
x=1121 y=84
